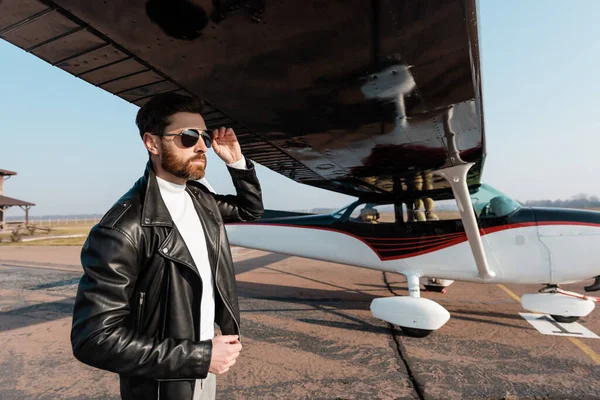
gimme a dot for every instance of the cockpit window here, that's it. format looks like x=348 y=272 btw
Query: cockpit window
x=340 y=213
x=486 y=201
x=369 y=213
x=489 y=202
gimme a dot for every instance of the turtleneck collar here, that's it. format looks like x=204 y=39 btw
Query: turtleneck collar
x=169 y=187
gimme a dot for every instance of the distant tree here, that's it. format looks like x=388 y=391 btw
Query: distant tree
x=580 y=200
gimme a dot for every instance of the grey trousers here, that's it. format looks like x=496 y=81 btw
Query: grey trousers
x=206 y=389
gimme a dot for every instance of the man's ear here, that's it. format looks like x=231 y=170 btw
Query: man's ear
x=151 y=143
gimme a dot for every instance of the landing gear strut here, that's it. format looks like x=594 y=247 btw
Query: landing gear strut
x=415 y=291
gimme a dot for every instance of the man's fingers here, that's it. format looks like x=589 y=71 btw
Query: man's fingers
x=231 y=363
x=232 y=357
x=215 y=135
x=218 y=133
x=228 y=338
x=236 y=347
x=223 y=133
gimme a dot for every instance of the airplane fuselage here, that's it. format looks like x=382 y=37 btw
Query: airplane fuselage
x=531 y=245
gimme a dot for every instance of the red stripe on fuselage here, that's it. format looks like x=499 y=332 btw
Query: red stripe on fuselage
x=445 y=235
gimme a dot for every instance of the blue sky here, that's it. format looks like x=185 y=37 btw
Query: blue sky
x=541 y=94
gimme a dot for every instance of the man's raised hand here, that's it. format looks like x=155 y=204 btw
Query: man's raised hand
x=226 y=145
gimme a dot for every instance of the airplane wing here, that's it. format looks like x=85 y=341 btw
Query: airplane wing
x=364 y=98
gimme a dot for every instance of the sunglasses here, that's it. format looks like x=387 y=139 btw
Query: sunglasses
x=189 y=137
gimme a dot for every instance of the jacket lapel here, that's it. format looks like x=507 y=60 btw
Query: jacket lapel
x=174 y=248
x=154 y=210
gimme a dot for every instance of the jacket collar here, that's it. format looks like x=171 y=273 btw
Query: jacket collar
x=154 y=210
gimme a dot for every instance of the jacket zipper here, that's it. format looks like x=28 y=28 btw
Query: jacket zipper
x=219 y=290
x=140 y=310
x=230 y=312
x=223 y=297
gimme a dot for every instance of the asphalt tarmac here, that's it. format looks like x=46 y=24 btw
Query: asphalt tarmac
x=308 y=333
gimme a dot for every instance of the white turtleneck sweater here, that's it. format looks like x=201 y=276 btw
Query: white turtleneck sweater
x=184 y=216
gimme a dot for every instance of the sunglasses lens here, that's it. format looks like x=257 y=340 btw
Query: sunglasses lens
x=189 y=138
x=207 y=139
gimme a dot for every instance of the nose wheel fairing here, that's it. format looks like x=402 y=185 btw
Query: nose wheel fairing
x=416 y=316
x=562 y=305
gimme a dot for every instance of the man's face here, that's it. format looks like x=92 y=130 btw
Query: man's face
x=185 y=163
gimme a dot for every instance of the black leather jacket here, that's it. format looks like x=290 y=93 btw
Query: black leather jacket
x=137 y=310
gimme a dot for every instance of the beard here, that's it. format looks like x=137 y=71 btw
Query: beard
x=181 y=168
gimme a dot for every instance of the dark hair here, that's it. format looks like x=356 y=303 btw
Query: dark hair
x=154 y=115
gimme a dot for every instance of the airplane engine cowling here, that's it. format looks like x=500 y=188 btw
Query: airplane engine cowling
x=410 y=312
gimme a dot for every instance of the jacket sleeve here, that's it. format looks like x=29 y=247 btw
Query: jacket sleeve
x=247 y=204
x=103 y=335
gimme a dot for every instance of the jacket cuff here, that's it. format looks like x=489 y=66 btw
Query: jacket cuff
x=249 y=166
x=239 y=164
x=202 y=356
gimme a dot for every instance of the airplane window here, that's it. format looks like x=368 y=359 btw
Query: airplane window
x=489 y=202
x=370 y=213
x=339 y=213
x=427 y=209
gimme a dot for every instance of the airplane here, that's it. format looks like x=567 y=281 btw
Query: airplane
x=380 y=100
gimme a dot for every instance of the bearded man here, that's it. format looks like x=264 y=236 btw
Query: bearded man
x=158 y=272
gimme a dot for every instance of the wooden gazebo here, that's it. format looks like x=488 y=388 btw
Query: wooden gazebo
x=7 y=202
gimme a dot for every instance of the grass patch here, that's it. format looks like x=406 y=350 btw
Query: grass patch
x=70 y=230
x=75 y=241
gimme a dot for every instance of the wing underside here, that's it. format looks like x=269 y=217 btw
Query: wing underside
x=365 y=98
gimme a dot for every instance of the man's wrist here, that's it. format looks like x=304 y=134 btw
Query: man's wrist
x=239 y=164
